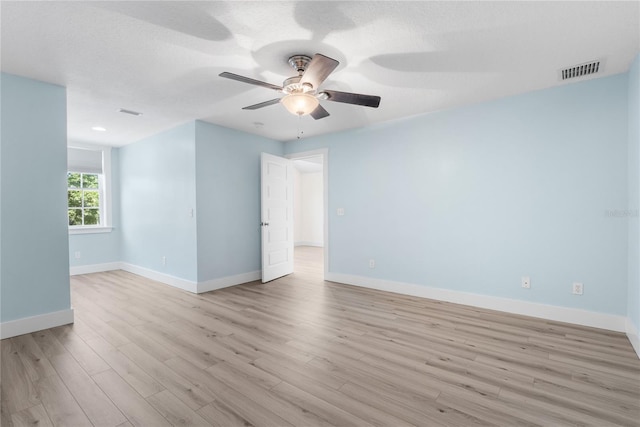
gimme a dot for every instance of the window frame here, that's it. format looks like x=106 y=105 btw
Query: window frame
x=83 y=191
x=104 y=184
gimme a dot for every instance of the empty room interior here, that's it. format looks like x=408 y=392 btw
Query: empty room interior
x=347 y=213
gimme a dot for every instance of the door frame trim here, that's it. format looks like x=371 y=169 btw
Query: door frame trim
x=324 y=152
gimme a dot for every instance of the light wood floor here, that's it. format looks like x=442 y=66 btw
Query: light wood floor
x=300 y=351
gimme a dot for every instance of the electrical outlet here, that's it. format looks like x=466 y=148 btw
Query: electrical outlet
x=77 y=254
x=340 y=211
x=577 y=288
x=164 y=260
x=526 y=282
x=372 y=263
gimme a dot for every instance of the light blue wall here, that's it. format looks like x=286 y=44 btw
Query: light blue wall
x=228 y=191
x=157 y=193
x=35 y=267
x=215 y=171
x=472 y=199
x=101 y=247
x=633 y=299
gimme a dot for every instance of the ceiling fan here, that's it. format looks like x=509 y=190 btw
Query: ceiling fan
x=302 y=96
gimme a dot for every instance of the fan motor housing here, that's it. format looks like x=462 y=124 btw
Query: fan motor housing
x=293 y=85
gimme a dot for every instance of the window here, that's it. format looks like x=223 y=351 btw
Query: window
x=88 y=195
x=83 y=196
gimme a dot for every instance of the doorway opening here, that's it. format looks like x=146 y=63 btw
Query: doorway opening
x=310 y=200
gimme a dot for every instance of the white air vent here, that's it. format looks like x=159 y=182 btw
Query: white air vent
x=580 y=70
x=133 y=113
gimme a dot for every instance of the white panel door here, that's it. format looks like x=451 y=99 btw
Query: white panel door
x=277 y=217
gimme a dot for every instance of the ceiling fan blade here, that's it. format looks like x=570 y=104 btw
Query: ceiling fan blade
x=319 y=113
x=352 y=98
x=318 y=70
x=243 y=79
x=262 y=104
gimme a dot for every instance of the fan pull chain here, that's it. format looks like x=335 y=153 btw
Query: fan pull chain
x=299 y=131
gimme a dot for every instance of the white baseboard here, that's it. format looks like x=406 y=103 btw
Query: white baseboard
x=225 y=282
x=634 y=336
x=167 y=279
x=94 y=268
x=26 y=325
x=188 y=285
x=307 y=243
x=549 y=312
x=177 y=282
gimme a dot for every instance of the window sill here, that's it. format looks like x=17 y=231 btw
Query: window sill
x=89 y=230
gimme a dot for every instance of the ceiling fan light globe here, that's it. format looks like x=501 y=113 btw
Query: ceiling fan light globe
x=300 y=104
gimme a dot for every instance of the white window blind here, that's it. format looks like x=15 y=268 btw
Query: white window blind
x=84 y=160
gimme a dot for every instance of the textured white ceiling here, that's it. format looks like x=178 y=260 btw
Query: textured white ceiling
x=163 y=58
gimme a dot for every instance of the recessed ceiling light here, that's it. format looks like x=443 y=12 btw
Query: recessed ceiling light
x=99 y=128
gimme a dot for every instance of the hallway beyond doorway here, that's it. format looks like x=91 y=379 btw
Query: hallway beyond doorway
x=309 y=261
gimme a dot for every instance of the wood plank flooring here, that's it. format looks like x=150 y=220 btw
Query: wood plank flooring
x=303 y=352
